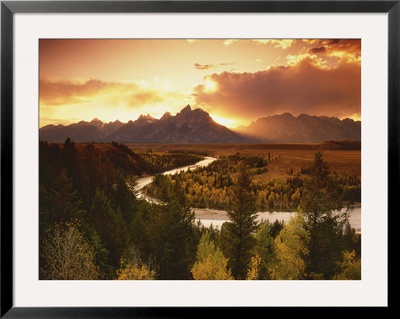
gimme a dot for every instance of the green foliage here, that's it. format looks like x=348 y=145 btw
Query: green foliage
x=174 y=238
x=324 y=225
x=326 y=251
x=275 y=228
x=59 y=201
x=166 y=162
x=265 y=252
x=128 y=161
x=123 y=197
x=237 y=235
x=101 y=252
x=110 y=227
x=352 y=240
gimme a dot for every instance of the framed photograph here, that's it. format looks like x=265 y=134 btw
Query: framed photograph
x=172 y=158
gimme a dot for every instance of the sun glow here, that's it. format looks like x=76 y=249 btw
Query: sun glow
x=210 y=86
x=354 y=117
x=230 y=123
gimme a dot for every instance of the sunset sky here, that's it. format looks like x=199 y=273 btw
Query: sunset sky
x=236 y=81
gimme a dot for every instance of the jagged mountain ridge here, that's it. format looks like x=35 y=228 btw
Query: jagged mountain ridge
x=286 y=128
x=187 y=126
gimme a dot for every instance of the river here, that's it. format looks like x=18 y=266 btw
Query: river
x=218 y=217
x=143 y=181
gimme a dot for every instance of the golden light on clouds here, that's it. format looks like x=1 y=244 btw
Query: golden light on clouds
x=345 y=50
x=229 y=42
x=278 y=43
x=236 y=80
x=210 y=86
x=293 y=60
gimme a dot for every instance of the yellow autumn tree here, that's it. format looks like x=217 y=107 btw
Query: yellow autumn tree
x=291 y=250
x=210 y=262
x=351 y=267
x=65 y=254
x=132 y=267
x=253 y=273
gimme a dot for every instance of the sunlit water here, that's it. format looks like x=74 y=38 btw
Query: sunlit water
x=143 y=181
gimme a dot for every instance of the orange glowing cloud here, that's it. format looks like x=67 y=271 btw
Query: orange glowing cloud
x=278 y=43
x=294 y=60
x=346 y=50
x=303 y=86
x=54 y=93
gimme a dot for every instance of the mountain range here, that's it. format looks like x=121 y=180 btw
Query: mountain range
x=196 y=126
x=286 y=128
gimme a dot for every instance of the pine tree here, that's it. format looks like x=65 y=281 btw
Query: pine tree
x=265 y=249
x=173 y=238
x=237 y=235
x=318 y=205
x=61 y=202
x=109 y=225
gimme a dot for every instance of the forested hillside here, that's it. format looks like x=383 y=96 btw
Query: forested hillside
x=94 y=226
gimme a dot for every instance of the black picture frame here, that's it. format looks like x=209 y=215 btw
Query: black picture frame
x=9 y=8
